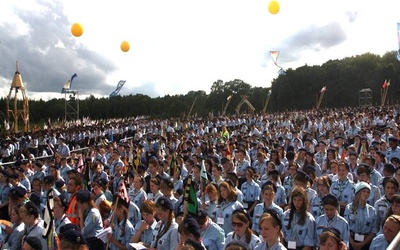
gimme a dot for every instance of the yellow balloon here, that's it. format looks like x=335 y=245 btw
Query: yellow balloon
x=273 y=7
x=125 y=46
x=77 y=29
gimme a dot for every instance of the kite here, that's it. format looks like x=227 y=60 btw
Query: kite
x=68 y=84
x=398 y=39
x=119 y=87
x=274 y=56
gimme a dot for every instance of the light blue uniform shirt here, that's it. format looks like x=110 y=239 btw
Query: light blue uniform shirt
x=375 y=177
x=343 y=190
x=280 y=196
x=363 y=221
x=93 y=223
x=240 y=195
x=134 y=215
x=169 y=240
x=259 y=210
x=381 y=207
x=254 y=241
x=14 y=241
x=251 y=192
x=316 y=206
x=287 y=184
x=338 y=222
x=304 y=235
x=213 y=236
x=137 y=196
x=390 y=153
x=374 y=195
x=122 y=237
x=224 y=215
x=146 y=236
x=379 y=243
x=212 y=208
x=276 y=246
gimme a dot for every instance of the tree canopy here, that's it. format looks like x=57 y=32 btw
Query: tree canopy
x=297 y=90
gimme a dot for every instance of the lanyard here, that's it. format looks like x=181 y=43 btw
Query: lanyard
x=61 y=221
x=342 y=185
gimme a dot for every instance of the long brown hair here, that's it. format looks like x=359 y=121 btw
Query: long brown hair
x=242 y=215
x=232 y=195
x=298 y=192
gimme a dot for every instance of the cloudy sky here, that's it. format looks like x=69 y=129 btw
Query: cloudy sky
x=181 y=45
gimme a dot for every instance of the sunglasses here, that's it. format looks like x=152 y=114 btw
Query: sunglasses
x=237 y=224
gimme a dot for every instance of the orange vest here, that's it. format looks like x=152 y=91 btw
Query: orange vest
x=72 y=213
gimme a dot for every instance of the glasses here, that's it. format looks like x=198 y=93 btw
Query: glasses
x=237 y=224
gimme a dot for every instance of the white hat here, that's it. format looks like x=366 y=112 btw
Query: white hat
x=361 y=185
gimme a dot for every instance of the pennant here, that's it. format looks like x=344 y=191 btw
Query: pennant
x=203 y=177
x=80 y=165
x=49 y=232
x=385 y=84
x=123 y=193
x=68 y=84
x=190 y=197
x=323 y=89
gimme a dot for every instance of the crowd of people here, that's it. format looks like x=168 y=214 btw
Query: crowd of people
x=326 y=179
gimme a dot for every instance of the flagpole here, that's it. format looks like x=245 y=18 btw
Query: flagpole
x=186 y=197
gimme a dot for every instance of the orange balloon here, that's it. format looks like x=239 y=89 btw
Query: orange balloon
x=77 y=29
x=125 y=46
x=273 y=7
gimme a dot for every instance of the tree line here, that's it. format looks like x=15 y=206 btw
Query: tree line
x=297 y=90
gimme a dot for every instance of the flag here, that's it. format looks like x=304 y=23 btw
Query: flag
x=80 y=165
x=72 y=77
x=49 y=232
x=68 y=84
x=385 y=84
x=388 y=83
x=172 y=166
x=323 y=89
x=191 y=197
x=123 y=193
x=203 y=176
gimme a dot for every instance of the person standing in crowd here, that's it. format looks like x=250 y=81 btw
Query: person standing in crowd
x=97 y=190
x=136 y=193
x=228 y=203
x=364 y=174
x=391 y=228
x=331 y=218
x=212 y=235
x=16 y=231
x=29 y=214
x=73 y=240
x=74 y=185
x=60 y=218
x=122 y=228
x=189 y=234
x=323 y=186
x=343 y=187
x=330 y=239
x=145 y=228
x=211 y=206
x=155 y=190
x=90 y=220
x=390 y=188
x=32 y=243
x=268 y=195
x=251 y=191
x=297 y=223
x=361 y=218
x=63 y=149
x=241 y=223
x=303 y=180
x=5 y=188
x=165 y=235
x=271 y=231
